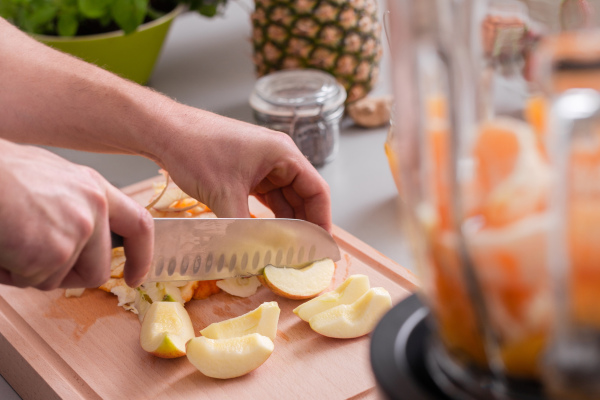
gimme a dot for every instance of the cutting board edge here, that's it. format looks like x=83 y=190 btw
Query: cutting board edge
x=375 y=259
x=57 y=382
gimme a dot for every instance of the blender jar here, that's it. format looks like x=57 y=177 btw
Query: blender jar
x=430 y=91
x=476 y=179
x=482 y=161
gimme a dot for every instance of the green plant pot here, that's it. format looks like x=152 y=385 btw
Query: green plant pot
x=131 y=56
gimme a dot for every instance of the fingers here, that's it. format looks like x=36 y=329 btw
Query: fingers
x=92 y=266
x=277 y=202
x=132 y=221
x=297 y=191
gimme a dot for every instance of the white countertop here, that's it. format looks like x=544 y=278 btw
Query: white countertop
x=207 y=63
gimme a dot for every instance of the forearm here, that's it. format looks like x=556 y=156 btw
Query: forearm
x=50 y=98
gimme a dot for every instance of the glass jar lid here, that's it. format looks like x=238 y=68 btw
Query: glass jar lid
x=297 y=92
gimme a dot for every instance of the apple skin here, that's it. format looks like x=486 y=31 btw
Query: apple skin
x=166 y=329
x=168 y=349
x=299 y=284
x=349 y=321
x=262 y=320
x=348 y=292
x=231 y=357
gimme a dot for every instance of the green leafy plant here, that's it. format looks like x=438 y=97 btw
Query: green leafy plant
x=83 y=17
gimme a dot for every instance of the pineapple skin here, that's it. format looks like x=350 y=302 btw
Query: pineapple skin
x=341 y=37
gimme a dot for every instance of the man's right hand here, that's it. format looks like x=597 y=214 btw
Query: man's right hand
x=55 y=223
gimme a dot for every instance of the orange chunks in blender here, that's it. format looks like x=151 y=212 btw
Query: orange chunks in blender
x=440 y=148
x=496 y=151
x=520 y=358
x=511 y=176
x=511 y=266
x=451 y=305
x=511 y=180
x=536 y=111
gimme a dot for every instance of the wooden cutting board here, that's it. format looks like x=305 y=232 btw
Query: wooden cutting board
x=88 y=347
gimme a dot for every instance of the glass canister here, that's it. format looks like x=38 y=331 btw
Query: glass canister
x=306 y=104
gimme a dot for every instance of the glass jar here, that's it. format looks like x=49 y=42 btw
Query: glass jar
x=306 y=104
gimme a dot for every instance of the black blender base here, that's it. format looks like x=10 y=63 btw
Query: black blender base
x=403 y=366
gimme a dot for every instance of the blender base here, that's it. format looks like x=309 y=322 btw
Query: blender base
x=406 y=368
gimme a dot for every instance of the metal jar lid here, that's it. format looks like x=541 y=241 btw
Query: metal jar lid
x=297 y=93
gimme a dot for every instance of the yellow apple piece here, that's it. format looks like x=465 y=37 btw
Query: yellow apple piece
x=262 y=320
x=353 y=320
x=302 y=283
x=166 y=328
x=348 y=292
x=239 y=286
x=231 y=357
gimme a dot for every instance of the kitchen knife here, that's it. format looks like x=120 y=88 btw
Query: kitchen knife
x=190 y=249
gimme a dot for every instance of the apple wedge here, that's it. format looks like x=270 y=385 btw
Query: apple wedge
x=353 y=320
x=229 y=358
x=262 y=320
x=348 y=292
x=166 y=328
x=302 y=283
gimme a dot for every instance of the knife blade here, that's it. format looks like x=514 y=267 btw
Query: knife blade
x=190 y=249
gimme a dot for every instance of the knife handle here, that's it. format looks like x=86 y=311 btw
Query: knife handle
x=115 y=240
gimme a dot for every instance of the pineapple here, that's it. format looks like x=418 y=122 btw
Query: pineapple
x=342 y=37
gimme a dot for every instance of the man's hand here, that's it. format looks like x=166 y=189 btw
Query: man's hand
x=56 y=219
x=221 y=161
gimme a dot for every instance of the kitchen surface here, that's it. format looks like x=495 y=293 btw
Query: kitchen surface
x=207 y=63
x=497 y=128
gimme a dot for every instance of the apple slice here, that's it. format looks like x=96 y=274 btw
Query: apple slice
x=353 y=320
x=166 y=328
x=262 y=320
x=239 y=286
x=229 y=358
x=301 y=283
x=348 y=292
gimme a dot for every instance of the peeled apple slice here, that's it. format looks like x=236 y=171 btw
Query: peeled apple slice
x=262 y=320
x=166 y=329
x=239 y=286
x=348 y=292
x=229 y=358
x=301 y=283
x=353 y=320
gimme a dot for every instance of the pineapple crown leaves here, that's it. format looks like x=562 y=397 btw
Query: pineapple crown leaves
x=70 y=17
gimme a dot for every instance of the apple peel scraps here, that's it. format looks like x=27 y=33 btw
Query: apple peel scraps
x=239 y=286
